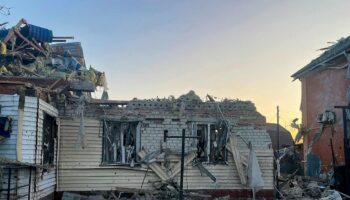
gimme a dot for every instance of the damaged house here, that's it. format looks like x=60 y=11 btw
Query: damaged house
x=121 y=144
x=324 y=130
x=33 y=77
x=54 y=137
x=28 y=152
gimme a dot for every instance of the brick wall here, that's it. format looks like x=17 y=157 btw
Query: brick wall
x=157 y=116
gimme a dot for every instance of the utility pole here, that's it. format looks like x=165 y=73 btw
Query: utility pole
x=277 y=148
x=183 y=137
x=278 y=129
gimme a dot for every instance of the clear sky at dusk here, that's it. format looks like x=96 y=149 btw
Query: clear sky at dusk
x=236 y=49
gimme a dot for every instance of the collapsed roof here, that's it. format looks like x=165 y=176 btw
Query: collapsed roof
x=32 y=51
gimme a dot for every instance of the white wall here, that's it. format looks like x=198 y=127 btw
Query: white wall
x=45 y=181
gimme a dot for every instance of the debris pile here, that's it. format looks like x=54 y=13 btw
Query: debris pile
x=302 y=187
x=32 y=51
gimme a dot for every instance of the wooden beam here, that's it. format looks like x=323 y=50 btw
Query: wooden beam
x=177 y=167
x=244 y=159
x=29 y=42
x=237 y=159
x=81 y=85
x=202 y=169
x=155 y=167
x=11 y=33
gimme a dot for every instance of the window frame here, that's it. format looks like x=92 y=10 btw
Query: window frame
x=209 y=143
x=137 y=146
x=49 y=159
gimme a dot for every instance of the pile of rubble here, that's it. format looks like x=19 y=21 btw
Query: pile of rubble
x=302 y=187
x=32 y=51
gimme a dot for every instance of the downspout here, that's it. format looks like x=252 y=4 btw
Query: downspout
x=58 y=122
x=36 y=140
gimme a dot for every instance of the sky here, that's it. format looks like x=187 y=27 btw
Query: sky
x=229 y=49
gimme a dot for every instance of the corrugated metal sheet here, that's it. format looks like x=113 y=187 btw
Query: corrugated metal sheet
x=37 y=33
x=80 y=170
x=3 y=33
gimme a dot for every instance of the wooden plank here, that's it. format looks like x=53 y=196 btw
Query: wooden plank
x=156 y=168
x=243 y=158
x=237 y=159
x=177 y=168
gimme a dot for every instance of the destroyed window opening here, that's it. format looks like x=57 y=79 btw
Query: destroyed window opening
x=115 y=134
x=207 y=144
x=49 y=135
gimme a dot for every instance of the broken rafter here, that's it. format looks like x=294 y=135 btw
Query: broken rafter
x=237 y=159
x=202 y=169
x=156 y=168
x=244 y=159
x=38 y=48
x=11 y=33
x=177 y=168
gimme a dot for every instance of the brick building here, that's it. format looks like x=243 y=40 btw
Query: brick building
x=325 y=84
x=106 y=158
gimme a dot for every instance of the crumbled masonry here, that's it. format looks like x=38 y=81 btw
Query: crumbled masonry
x=57 y=141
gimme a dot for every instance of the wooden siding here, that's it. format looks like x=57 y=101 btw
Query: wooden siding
x=9 y=107
x=80 y=170
x=13 y=184
x=45 y=181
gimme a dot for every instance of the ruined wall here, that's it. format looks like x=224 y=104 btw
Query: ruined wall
x=322 y=91
x=80 y=169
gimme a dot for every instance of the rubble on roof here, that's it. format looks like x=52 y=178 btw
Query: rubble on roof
x=32 y=51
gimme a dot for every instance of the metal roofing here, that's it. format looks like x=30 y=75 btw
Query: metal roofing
x=333 y=51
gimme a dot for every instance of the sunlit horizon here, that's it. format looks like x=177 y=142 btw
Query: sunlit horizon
x=233 y=49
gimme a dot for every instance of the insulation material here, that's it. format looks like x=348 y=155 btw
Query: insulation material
x=3 y=49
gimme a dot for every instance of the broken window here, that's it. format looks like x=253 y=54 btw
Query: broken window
x=211 y=144
x=202 y=133
x=120 y=142
x=49 y=136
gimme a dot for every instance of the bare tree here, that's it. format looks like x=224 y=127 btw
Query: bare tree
x=4 y=10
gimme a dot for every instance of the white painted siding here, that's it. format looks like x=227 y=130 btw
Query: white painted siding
x=29 y=129
x=13 y=184
x=9 y=107
x=80 y=170
x=45 y=181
